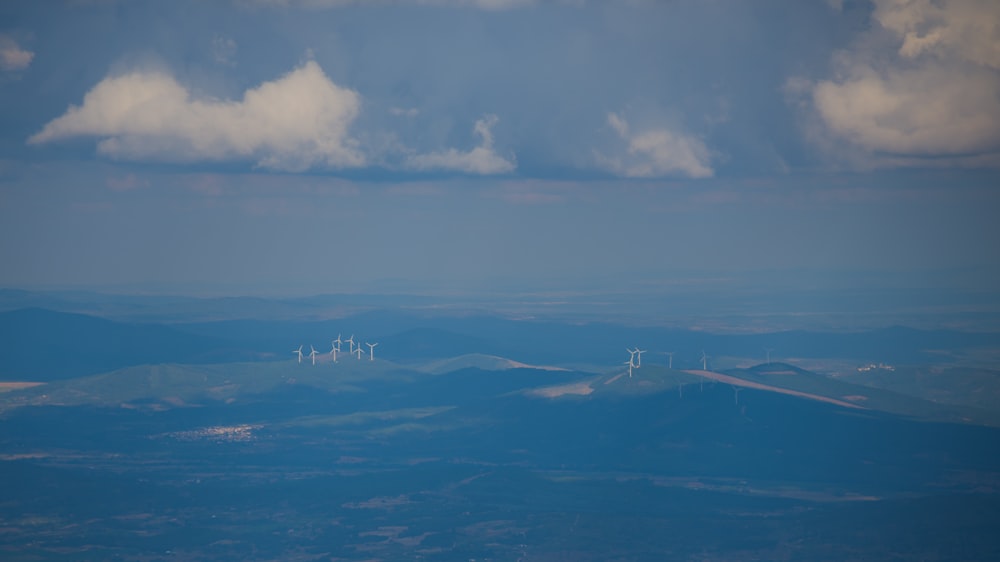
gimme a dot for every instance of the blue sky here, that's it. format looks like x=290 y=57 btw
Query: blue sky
x=310 y=146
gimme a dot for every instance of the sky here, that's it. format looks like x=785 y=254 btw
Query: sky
x=315 y=146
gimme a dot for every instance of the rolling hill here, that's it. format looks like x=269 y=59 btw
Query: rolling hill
x=44 y=345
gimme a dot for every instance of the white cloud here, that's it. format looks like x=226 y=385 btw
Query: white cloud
x=968 y=30
x=12 y=56
x=932 y=110
x=480 y=160
x=935 y=91
x=657 y=153
x=296 y=122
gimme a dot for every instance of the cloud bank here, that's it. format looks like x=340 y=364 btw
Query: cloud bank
x=656 y=153
x=298 y=121
x=12 y=56
x=482 y=159
x=935 y=93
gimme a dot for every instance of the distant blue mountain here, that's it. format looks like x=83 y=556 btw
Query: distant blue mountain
x=409 y=334
x=44 y=345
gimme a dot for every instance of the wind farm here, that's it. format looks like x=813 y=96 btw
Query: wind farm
x=335 y=348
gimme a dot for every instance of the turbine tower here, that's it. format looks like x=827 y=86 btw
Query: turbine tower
x=299 y=351
x=704 y=361
x=629 y=363
x=768 y=351
x=371 y=350
x=670 y=364
x=313 y=354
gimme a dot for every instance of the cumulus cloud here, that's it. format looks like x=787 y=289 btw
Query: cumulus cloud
x=963 y=29
x=933 y=110
x=657 y=153
x=934 y=91
x=296 y=122
x=482 y=159
x=12 y=56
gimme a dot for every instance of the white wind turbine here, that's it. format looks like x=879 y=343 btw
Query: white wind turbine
x=631 y=356
x=337 y=342
x=357 y=350
x=670 y=354
x=313 y=354
x=350 y=340
x=334 y=348
x=704 y=361
x=768 y=350
x=299 y=351
x=371 y=350
x=638 y=353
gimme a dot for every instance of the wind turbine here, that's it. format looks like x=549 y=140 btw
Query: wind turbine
x=371 y=350
x=334 y=348
x=357 y=350
x=639 y=353
x=350 y=341
x=704 y=361
x=313 y=354
x=299 y=351
x=631 y=358
x=670 y=354
x=768 y=351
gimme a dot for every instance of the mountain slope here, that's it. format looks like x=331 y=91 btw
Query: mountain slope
x=480 y=361
x=44 y=345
